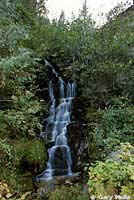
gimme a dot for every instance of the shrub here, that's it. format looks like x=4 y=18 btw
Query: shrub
x=115 y=175
x=111 y=127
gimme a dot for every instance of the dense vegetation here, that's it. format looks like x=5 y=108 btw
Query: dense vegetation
x=101 y=60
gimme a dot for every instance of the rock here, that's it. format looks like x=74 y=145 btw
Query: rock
x=46 y=187
x=68 y=182
x=57 y=180
x=8 y=195
x=23 y=197
x=4 y=191
x=5 y=185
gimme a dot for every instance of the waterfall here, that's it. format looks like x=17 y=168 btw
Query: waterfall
x=59 y=162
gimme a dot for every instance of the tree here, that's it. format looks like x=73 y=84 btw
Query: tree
x=84 y=11
x=61 y=18
x=41 y=7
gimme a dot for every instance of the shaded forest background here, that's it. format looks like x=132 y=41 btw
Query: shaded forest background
x=100 y=60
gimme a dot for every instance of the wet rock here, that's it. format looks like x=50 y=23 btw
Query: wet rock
x=44 y=187
x=68 y=182
x=76 y=134
x=77 y=141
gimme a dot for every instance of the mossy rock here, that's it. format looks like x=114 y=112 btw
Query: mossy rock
x=30 y=155
x=63 y=192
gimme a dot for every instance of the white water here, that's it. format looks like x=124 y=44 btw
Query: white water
x=60 y=162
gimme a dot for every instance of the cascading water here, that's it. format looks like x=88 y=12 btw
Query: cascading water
x=59 y=162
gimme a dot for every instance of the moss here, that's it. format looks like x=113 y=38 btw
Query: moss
x=63 y=192
x=30 y=155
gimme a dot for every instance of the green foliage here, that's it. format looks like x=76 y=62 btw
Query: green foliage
x=21 y=120
x=80 y=33
x=117 y=43
x=115 y=175
x=7 y=164
x=32 y=152
x=6 y=152
x=101 y=60
x=111 y=126
x=118 y=126
x=17 y=72
x=109 y=68
x=19 y=160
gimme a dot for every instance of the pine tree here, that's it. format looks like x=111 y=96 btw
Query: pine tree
x=61 y=18
x=40 y=7
x=84 y=11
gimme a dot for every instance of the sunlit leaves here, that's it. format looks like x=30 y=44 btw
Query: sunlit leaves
x=114 y=175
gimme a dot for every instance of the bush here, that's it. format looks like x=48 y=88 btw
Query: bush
x=21 y=159
x=21 y=119
x=115 y=175
x=111 y=127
